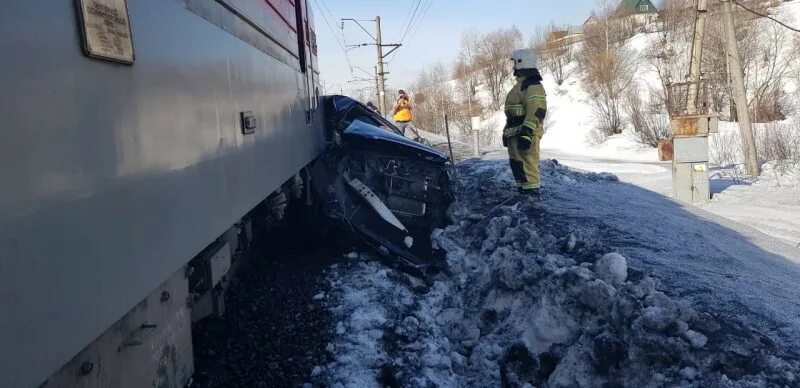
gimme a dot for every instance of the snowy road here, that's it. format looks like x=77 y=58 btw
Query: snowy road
x=600 y=282
x=771 y=206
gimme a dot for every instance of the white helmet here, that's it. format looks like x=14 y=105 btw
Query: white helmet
x=525 y=59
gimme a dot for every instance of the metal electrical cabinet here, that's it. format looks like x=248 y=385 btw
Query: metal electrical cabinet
x=690 y=169
x=691 y=182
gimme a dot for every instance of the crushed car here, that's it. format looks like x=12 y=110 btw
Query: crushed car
x=387 y=190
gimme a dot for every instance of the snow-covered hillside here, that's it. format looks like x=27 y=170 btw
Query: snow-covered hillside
x=571 y=119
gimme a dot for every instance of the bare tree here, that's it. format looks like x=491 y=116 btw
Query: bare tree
x=765 y=60
x=793 y=103
x=725 y=148
x=433 y=98
x=493 y=62
x=768 y=71
x=608 y=69
x=555 y=51
x=779 y=141
x=468 y=80
x=648 y=117
x=670 y=53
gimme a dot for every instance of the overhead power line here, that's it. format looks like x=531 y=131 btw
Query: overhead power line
x=328 y=9
x=422 y=18
x=754 y=12
x=411 y=21
x=340 y=38
x=406 y=19
x=325 y=18
x=414 y=28
x=347 y=53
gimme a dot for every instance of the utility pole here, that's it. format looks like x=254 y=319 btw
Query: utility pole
x=697 y=57
x=377 y=84
x=381 y=74
x=739 y=93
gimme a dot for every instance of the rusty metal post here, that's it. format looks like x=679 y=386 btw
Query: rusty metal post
x=447 y=131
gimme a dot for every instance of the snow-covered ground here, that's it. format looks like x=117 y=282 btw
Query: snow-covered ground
x=600 y=282
x=605 y=281
x=770 y=204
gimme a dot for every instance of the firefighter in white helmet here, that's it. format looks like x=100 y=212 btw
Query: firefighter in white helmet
x=525 y=108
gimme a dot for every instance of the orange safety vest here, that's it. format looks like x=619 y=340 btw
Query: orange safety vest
x=402 y=112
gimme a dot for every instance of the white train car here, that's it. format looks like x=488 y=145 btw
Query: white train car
x=135 y=137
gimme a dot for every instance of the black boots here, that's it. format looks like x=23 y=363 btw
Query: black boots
x=535 y=193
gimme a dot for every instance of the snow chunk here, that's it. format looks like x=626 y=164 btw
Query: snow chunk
x=688 y=373
x=696 y=339
x=612 y=268
x=655 y=318
x=571 y=242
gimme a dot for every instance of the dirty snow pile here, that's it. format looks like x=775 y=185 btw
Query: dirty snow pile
x=529 y=299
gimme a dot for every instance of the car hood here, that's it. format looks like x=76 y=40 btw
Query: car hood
x=369 y=137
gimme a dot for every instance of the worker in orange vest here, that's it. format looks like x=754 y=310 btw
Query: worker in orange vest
x=403 y=115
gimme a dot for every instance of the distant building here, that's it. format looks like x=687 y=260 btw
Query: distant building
x=567 y=34
x=638 y=11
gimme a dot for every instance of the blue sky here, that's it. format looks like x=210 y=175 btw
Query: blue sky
x=435 y=38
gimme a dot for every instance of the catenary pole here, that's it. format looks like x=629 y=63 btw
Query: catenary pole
x=739 y=93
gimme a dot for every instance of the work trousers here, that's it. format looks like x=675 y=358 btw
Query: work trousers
x=525 y=163
x=403 y=125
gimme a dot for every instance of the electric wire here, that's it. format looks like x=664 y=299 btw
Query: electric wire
x=415 y=29
x=347 y=55
x=340 y=35
x=342 y=43
x=333 y=17
x=327 y=23
x=411 y=22
x=406 y=20
x=754 y=12
x=422 y=18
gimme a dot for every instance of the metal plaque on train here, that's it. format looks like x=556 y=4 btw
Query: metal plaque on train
x=106 y=29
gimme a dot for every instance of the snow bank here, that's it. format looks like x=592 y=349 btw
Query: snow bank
x=770 y=204
x=529 y=300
